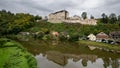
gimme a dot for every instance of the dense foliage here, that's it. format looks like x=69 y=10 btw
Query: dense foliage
x=13 y=23
x=112 y=18
x=74 y=30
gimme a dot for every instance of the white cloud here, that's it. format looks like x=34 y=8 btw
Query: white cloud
x=92 y=3
x=44 y=7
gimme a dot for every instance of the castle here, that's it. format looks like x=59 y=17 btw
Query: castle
x=63 y=16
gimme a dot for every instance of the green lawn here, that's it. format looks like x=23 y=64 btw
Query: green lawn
x=13 y=55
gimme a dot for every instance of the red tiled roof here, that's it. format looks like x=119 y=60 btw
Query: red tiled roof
x=102 y=35
x=115 y=33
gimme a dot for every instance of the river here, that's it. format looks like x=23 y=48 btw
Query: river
x=56 y=54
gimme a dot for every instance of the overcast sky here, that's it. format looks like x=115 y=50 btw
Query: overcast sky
x=75 y=7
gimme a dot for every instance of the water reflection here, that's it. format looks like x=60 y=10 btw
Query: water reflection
x=54 y=59
x=62 y=59
x=50 y=54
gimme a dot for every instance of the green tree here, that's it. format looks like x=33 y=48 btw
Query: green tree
x=14 y=23
x=92 y=17
x=21 y=22
x=112 y=18
x=84 y=15
x=103 y=15
x=104 y=18
x=119 y=18
x=5 y=18
x=37 y=17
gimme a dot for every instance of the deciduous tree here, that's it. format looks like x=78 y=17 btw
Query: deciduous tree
x=84 y=15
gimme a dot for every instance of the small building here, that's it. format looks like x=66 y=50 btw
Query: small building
x=115 y=35
x=102 y=37
x=92 y=37
x=55 y=33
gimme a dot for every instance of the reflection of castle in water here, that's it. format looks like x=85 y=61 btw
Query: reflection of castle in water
x=62 y=59
x=57 y=57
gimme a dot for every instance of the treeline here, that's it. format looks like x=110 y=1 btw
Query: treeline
x=106 y=19
x=11 y=23
x=112 y=19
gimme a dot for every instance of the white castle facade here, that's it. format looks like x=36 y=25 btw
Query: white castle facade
x=63 y=17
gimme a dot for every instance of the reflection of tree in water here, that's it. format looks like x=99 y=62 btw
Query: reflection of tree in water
x=113 y=62
x=86 y=58
x=84 y=62
x=106 y=62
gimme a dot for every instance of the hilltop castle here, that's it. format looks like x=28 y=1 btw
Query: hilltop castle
x=63 y=16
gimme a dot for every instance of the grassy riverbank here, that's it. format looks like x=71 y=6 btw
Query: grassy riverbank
x=13 y=55
x=99 y=44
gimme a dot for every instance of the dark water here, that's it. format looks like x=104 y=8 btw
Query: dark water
x=54 y=54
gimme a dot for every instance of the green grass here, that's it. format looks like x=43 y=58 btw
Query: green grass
x=74 y=28
x=13 y=55
x=99 y=44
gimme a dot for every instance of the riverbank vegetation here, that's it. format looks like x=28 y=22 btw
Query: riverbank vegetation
x=43 y=46
x=101 y=45
x=13 y=55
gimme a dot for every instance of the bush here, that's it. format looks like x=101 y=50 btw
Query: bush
x=74 y=38
x=62 y=38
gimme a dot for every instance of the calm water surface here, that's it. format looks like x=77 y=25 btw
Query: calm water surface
x=55 y=54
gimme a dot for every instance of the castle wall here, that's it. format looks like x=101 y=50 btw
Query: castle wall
x=58 y=17
x=85 y=22
x=63 y=16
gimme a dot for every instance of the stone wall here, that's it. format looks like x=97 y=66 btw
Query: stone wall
x=58 y=17
x=63 y=16
x=89 y=22
x=85 y=22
